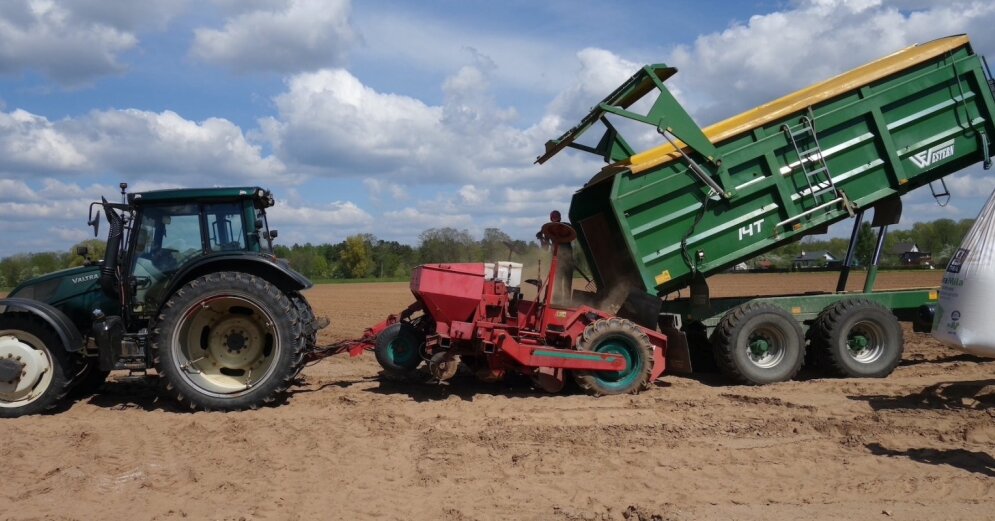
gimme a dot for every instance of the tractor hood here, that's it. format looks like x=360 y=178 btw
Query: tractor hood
x=60 y=285
x=74 y=291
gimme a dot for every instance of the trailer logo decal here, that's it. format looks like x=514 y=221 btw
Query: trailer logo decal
x=750 y=229
x=935 y=154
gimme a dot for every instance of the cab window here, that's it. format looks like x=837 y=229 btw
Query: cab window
x=225 y=227
x=169 y=235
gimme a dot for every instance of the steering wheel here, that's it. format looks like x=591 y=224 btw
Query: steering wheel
x=164 y=259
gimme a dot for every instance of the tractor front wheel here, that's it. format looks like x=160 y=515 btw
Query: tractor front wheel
x=89 y=381
x=621 y=337
x=35 y=370
x=228 y=341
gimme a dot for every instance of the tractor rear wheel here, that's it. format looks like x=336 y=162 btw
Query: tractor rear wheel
x=35 y=370
x=857 y=338
x=309 y=336
x=758 y=343
x=228 y=341
x=399 y=349
x=622 y=337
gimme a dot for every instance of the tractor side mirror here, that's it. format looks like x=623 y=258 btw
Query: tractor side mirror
x=95 y=223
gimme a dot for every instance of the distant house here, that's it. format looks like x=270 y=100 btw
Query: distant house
x=813 y=259
x=909 y=254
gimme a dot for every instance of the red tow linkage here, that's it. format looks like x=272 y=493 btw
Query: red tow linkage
x=354 y=347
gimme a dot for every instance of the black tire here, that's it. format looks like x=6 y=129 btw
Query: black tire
x=216 y=331
x=89 y=381
x=758 y=343
x=621 y=336
x=399 y=349
x=309 y=331
x=32 y=334
x=857 y=338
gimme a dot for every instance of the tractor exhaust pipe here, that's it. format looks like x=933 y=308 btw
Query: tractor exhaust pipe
x=108 y=271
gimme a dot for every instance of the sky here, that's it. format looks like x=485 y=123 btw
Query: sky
x=390 y=117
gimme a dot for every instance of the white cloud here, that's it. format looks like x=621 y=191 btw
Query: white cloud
x=330 y=124
x=127 y=16
x=972 y=182
x=407 y=223
x=72 y=235
x=31 y=143
x=379 y=189
x=601 y=72
x=134 y=144
x=329 y=223
x=52 y=38
x=14 y=191
x=337 y=213
x=771 y=55
x=286 y=36
x=473 y=196
x=138 y=143
x=431 y=44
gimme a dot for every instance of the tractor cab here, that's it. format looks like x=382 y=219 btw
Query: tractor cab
x=168 y=235
x=159 y=234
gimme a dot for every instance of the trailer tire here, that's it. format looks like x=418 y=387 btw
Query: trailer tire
x=623 y=337
x=857 y=338
x=219 y=329
x=42 y=359
x=758 y=343
x=398 y=350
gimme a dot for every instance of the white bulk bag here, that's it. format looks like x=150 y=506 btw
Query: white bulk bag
x=965 y=314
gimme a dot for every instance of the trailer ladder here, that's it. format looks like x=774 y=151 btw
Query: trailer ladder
x=812 y=162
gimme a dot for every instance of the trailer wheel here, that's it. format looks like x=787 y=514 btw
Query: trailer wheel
x=228 y=341
x=858 y=338
x=622 y=337
x=398 y=349
x=758 y=343
x=35 y=370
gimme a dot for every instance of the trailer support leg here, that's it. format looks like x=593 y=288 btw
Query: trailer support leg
x=872 y=270
x=845 y=270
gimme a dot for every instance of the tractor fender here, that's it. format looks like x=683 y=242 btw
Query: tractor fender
x=269 y=268
x=72 y=339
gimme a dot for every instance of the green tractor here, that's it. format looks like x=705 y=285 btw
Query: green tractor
x=189 y=286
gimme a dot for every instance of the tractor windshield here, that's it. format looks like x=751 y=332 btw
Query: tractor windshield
x=167 y=236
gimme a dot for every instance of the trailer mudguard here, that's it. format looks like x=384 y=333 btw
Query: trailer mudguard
x=69 y=335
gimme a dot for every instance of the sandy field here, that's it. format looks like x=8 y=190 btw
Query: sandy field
x=918 y=445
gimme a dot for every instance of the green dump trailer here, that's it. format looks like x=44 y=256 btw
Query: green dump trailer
x=661 y=221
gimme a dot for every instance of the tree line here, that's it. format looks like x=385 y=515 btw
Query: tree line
x=357 y=257
x=940 y=238
x=366 y=257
